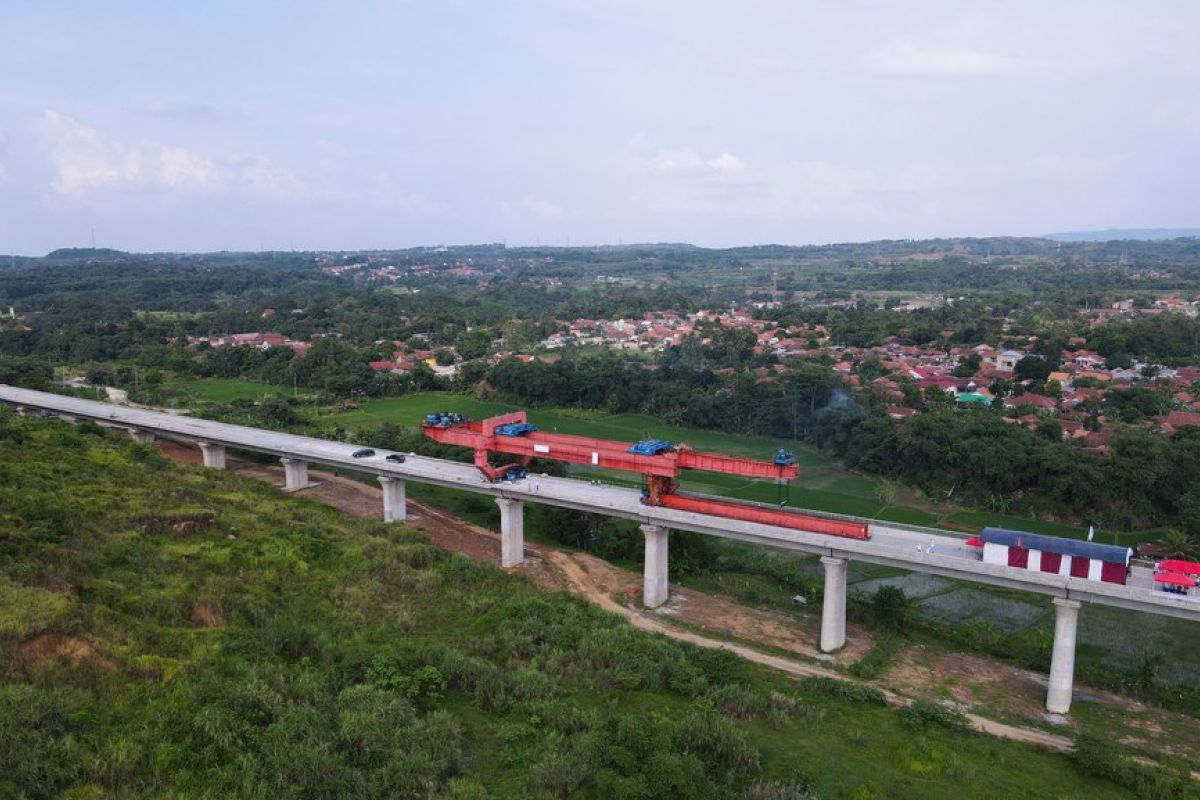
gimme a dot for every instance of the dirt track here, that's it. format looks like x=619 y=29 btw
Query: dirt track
x=602 y=583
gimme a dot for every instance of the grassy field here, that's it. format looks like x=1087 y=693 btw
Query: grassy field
x=169 y=631
x=223 y=390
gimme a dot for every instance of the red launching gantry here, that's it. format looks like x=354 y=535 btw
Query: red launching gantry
x=658 y=462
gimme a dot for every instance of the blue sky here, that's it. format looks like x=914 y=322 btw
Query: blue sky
x=297 y=125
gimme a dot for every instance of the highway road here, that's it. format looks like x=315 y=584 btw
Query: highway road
x=921 y=549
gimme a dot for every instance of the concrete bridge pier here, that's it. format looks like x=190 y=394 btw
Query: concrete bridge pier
x=140 y=436
x=395 y=501
x=833 y=607
x=655 y=588
x=512 y=531
x=214 y=454
x=1062 y=660
x=295 y=474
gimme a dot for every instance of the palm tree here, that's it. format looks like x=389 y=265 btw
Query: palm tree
x=1179 y=544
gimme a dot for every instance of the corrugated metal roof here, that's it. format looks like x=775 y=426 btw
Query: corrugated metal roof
x=1053 y=544
x=973 y=397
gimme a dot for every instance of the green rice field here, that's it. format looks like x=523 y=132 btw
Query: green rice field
x=223 y=390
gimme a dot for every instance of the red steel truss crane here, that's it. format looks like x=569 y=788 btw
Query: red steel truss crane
x=658 y=462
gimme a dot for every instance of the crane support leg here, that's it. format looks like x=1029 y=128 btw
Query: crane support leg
x=512 y=531
x=655 y=588
x=833 y=608
x=395 y=501
x=1062 y=660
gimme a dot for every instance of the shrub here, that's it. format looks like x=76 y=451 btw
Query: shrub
x=27 y=609
x=775 y=790
x=922 y=713
x=880 y=657
x=559 y=771
x=1097 y=758
x=562 y=717
x=423 y=686
x=462 y=789
x=33 y=726
x=738 y=701
x=715 y=738
x=845 y=690
x=892 y=607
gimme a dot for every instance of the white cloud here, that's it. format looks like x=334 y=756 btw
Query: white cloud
x=1176 y=114
x=383 y=189
x=726 y=164
x=278 y=181
x=816 y=183
x=532 y=207
x=812 y=192
x=86 y=160
x=545 y=210
x=681 y=160
x=909 y=60
x=1071 y=168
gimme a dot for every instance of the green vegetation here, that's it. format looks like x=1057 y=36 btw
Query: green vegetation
x=223 y=390
x=172 y=632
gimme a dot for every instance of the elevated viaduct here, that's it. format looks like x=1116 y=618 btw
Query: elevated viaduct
x=920 y=549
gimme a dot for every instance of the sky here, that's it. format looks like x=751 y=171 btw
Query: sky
x=234 y=125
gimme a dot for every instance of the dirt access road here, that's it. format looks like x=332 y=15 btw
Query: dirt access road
x=687 y=614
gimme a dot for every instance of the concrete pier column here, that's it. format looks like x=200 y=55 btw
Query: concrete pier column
x=140 y=436
x=512 y=531
x=214 y=454
x=295 y=474
x=833 y=607
x=655 y=588
x=1062 y=661
x=395 y=502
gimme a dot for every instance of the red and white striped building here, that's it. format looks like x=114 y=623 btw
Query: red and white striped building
x=1067 y=557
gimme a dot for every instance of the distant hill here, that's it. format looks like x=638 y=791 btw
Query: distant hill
x=86 y=254
x=1117 y=234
